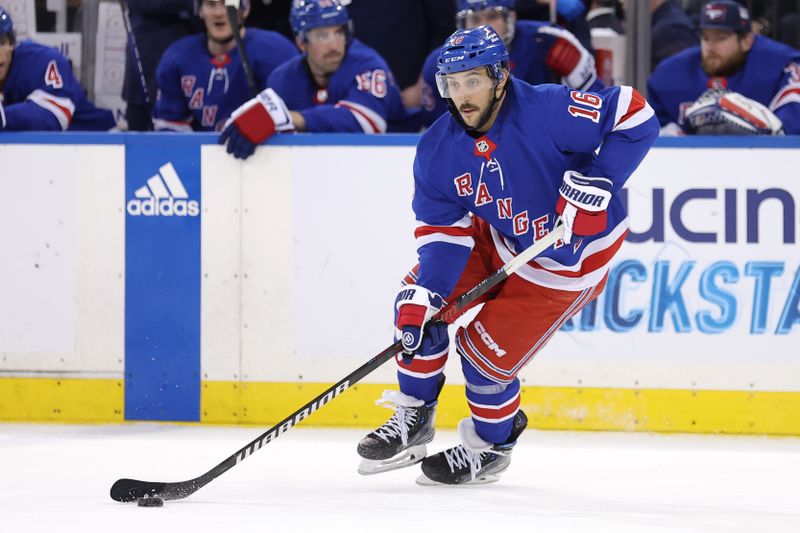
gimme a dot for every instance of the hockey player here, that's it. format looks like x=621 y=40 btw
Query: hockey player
x=38 y=90
x=338 y=84
x=540 y=53
x=491 y=178
x=201 y=79
x=735 y=82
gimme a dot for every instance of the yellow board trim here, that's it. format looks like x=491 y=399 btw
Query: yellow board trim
x=563 y=408
x=62 y=400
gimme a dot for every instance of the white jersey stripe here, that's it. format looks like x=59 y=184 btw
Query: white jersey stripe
x=467 y=242
x=419 y=374
x=623 y=103
x=171 y=125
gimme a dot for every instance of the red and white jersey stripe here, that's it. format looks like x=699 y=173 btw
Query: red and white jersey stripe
x=589 y=269
x=632 y=109
x=494 y=414
x=789 y=94
x=62 y=108
x=369 y=120
x=459 y=233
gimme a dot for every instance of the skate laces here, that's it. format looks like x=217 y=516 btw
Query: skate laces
x=401 y=421
x=460 y=457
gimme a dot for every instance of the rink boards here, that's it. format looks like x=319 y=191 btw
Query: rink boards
x=153 y=277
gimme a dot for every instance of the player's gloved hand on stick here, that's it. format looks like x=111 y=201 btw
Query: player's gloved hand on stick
x=568 y=58
x=582 y=204
x=254 y=122
x=723 y=112
x=415 y=305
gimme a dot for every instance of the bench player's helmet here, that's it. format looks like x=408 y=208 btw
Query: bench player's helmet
x=244 y=5
x=309 y=14
x=6 y=25
x=465 y=50
x=466 y=8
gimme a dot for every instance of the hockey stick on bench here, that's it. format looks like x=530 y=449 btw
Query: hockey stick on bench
x=129 y=490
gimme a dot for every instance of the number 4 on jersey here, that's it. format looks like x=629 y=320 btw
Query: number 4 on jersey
x=52 y=76
x=585 y=100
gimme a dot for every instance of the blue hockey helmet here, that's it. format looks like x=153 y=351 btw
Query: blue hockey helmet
x=309 y=14
x=6 y=24
x=476 y=47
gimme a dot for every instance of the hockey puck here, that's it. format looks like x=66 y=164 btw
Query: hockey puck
x=150 y=501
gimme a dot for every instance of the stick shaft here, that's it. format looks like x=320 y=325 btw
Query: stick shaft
x=126 y=490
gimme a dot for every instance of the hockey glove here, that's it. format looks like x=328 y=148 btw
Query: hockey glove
x=415 y=305
x=582 y=204
x=722 y=112
x=254 y=122
x=568 y=58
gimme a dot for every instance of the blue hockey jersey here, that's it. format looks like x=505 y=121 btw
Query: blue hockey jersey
x=527 y=61
x=510 y=178
x=771 y=76
x=41 y=93
x=198 y=91
x=360 y=97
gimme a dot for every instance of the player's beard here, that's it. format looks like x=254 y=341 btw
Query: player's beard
x=715 y=66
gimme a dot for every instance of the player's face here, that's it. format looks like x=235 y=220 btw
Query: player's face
x=6 y=51
x=325 y=47
x=216 y=20
x=471 y=92
x=497 y=17
x=723 y=51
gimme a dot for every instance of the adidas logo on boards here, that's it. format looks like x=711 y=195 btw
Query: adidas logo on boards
x=164 y=195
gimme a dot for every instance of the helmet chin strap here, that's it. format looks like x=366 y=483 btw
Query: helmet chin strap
x=472 y=131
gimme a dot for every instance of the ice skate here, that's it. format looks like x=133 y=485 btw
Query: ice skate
x=401 y=441
x=474 y=461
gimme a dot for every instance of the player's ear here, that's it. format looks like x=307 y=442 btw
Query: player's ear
x=747 y=41
x=300 y=43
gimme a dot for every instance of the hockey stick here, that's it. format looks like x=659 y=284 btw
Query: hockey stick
x=232 y=6
x=134 y=51
x=553 y=12
x=129 y=490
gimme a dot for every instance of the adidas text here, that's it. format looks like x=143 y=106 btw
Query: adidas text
x=167 y=207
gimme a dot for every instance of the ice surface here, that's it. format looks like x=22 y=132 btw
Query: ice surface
x=56 y=478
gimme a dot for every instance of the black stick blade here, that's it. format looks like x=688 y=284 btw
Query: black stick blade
x=130 y=490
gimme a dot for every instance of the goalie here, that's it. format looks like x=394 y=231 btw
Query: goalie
x=734 y=83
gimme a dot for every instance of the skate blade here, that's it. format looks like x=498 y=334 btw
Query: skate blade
x=480 y=480
x=408 y=457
